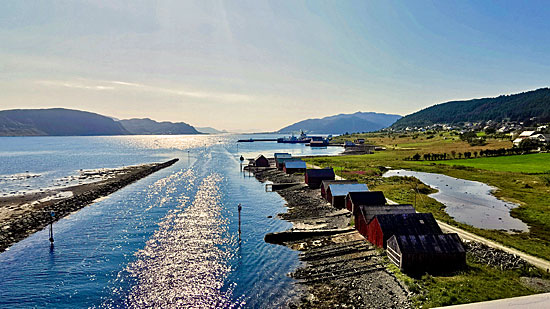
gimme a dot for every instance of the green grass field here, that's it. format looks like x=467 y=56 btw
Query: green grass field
x=531 y=164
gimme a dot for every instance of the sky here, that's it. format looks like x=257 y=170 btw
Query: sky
x=261 y=65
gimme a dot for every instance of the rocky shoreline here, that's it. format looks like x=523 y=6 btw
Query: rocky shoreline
x=340 y=268
x=24 y=215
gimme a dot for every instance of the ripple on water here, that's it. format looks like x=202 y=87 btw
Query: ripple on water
x=184 y=264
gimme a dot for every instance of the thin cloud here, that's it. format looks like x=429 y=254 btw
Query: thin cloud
x=121 y=85
x=193 y=94
x=73 y=84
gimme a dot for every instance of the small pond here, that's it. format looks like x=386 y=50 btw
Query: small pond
x=469 y=202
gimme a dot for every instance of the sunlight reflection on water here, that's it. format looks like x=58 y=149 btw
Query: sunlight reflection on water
x=183 y=264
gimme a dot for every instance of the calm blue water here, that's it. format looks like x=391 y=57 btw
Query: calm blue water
x=169 y=240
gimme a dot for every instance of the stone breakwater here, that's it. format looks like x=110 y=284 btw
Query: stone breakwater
x=17 y=227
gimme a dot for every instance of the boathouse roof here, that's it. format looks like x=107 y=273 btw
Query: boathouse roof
x=282 y=155
x=430 y=243
x=408 y=224
x=295 y=164
x=342 y=189
x=320 y=172
x=368 y=198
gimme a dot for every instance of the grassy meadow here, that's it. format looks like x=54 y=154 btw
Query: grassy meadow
x=522 y=179
x=536 y=163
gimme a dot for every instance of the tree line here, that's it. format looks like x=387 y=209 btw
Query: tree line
x=472 y=154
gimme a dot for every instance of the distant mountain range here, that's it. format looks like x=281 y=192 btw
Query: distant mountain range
x=519 y=107
x=209 y=130
x=147 y=126
x=68 y=122
x=342 y=123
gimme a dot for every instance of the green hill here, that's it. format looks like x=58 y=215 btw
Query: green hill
x=515 y=107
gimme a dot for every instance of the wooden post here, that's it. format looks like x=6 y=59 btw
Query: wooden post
x=242 y=160
x=415 y=193
x=240 y=208
x=51 y=229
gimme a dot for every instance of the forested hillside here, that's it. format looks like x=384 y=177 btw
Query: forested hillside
x=516 y=107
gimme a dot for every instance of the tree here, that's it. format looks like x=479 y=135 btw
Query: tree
x=490 y=131
x=416 y=157
x=529 y=144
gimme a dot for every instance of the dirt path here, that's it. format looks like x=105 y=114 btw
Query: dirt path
x=538 y=262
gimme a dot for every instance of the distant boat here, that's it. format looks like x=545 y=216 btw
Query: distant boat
x=303 y=138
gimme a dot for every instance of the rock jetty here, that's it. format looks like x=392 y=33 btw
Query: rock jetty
x=17 y=224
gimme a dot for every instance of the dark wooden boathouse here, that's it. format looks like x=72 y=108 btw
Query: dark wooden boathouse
x=365 y=213
x=326 y=183
x=314 y=177
x=261 y=161
x=280 y=155
x=382 y=227
x=291 y=167
x=369 y=198
x=432 y=253
x=280 y=162
x=337 y=192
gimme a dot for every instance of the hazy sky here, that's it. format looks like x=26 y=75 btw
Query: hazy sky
x=263 y=65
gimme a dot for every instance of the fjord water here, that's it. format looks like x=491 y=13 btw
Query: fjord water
x=169 y=239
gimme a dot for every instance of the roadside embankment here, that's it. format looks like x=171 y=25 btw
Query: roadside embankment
x=340 y=268
x=20 y=216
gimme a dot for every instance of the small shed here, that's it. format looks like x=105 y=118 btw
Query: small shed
x=325 y=183
x=434 y=253
x=261 y=161
x=382 y=227
x=365 y=213
x=369 y=198
x=280 y=155
x=314 y=177
x=280 y=162
x=291 y=167
x=337 y=192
